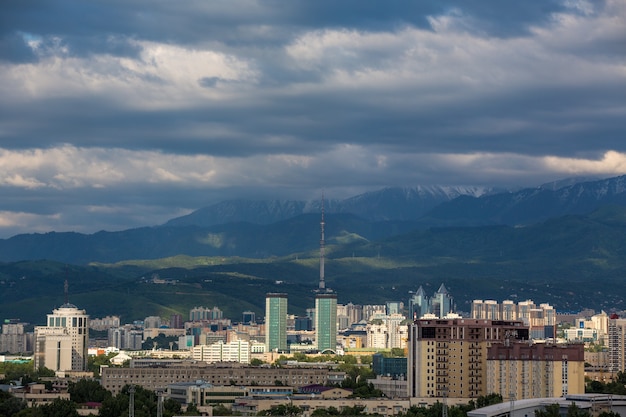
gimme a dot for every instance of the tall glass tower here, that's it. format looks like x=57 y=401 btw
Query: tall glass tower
x=326 y=321
x=276 y=322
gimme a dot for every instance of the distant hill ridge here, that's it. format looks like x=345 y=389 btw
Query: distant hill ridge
x=264 y=229
x=392 y=203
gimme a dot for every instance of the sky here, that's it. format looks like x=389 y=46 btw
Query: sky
x=124 y=113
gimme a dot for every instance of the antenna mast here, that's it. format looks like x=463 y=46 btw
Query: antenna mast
x=322 y=283
x=66 y=291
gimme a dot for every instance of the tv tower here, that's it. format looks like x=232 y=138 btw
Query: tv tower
x=322 y=286
x=325 y=306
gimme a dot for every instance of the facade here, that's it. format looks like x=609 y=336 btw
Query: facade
x=448 y=357
x=390 y=386
x=377 y=406
x=152 y=322
x=104 y=323
x=62 y=345
x=202 y=394
x=540 y=319
x=394 y=367
x=13 y=338
x=153 y=378
x=535 y=370
x=35 y=394
x=125 y=337
x=204 y=313
x=617 y=344
x=386 y=332
x=235 y=351
x=326 y=321
x=276 y=322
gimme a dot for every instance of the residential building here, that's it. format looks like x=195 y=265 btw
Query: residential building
x=204 y=313
x=536 y=370
x=276 y=322
x=126 y=337
x=447 y=357
x=104 y=323
x=617 y=344
x=13 y=338
x=541 y=319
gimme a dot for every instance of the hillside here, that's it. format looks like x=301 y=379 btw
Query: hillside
x=572 y=262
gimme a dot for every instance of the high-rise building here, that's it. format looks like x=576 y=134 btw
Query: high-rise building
x=276 y=322
x=448 y=357
x=617 y=344
x=440 y=304
x=418 y=304
x=248 y=317
x=540 y=319
x=62 y=345
x=326 y=321
x=13 y=338
x=176 y=321
x=537 y=370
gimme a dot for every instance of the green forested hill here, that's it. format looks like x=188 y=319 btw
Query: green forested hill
x=572 y=262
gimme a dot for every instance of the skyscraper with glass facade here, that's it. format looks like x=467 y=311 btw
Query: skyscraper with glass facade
x=276 y=322
x=326 y=321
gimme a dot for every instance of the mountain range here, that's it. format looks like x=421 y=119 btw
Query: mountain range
x=559 y=243
x=262 y=229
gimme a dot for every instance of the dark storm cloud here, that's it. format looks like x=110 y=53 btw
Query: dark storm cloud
x=113 y=108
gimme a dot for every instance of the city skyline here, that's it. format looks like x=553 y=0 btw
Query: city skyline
x=118 y=115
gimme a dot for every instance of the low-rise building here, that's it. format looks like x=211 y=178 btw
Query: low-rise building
x=36 y=394
x=154 y=378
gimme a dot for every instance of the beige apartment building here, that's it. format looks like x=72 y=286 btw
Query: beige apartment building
x=535 y=370
x=468 y=358
x=448 y=357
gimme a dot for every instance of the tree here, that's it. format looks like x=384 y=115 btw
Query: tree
x=9 y=405
x=59 y=408
x=609 y=414
x=95 y=362
x=288 y=410
x=489 y=399
x=87 y=390
x=574 y=411
x=145 y=404
x=552 y=410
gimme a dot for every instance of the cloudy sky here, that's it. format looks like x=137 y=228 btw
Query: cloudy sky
x=123 y=113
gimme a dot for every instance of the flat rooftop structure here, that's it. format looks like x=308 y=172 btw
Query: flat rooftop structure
x=526 y=408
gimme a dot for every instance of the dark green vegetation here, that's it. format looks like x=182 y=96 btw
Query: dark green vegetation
x=617 y=386
x=572 y=262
